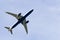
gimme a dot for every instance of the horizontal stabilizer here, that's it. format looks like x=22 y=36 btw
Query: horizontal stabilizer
x=9 y=29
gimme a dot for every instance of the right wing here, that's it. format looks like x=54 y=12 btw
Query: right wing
x=14 y=15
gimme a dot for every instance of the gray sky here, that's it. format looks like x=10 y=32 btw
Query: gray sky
x=44 y=21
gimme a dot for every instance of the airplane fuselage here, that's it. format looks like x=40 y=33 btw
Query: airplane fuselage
x=22 y=19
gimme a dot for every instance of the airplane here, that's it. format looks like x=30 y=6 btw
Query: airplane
x=21 y=19
x=19 y=16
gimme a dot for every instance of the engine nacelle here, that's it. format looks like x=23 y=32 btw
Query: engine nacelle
x=27 y=21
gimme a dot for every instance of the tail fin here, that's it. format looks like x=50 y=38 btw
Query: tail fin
x=9 y=29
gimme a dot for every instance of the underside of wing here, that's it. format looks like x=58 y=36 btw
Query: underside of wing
x=25 y=26
x=14 y=15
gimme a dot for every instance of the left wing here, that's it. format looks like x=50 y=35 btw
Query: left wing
x=25 y=26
